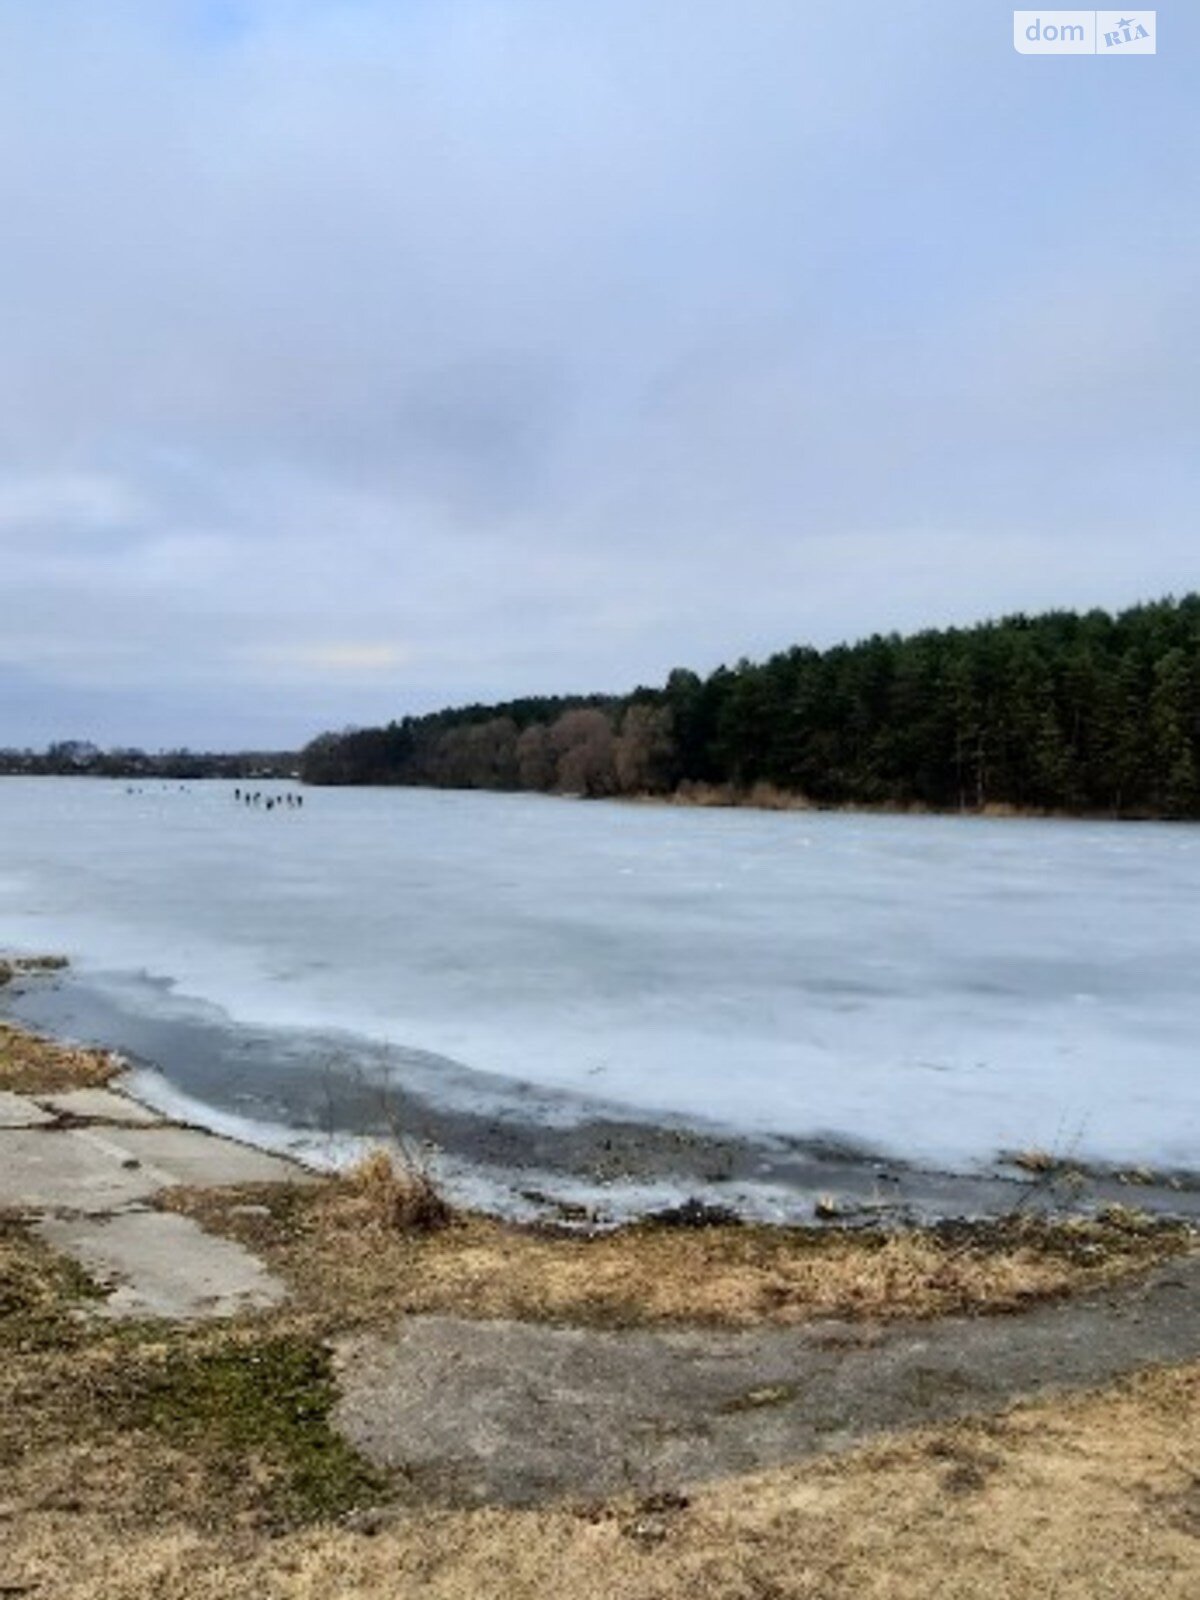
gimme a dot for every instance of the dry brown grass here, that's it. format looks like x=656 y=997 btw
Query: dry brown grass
x=761 y=796
x=1036 y=1160
x=1095 y=1498
x=30 y=1064
x=142 y=1465
x=327 y=1242
x=389 y=1192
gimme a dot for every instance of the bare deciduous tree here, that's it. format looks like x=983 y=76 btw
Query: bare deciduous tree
x=536 y=763
x=584 y=746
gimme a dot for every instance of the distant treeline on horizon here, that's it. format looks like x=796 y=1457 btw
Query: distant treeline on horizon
x=78 y=758
x=1061 y=712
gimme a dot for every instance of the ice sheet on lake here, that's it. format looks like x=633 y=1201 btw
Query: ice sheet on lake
x=938 y=988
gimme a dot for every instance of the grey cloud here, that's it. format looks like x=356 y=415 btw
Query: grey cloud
x=367 y=356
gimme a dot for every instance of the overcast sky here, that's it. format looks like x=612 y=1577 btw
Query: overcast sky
x=364 y=356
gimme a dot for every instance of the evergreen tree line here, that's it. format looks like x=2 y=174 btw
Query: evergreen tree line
x=1059 y=712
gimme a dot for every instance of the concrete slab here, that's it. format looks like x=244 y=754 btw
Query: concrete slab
x=100 y=1169
x=102 y=1105
x=96 y=1180
x=517 y=1412
x=48 y=1169
x=186 y=1155
x=16 y=1111
x=163 y=1265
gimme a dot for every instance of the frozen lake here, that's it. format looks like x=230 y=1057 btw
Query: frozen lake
x=935 y=989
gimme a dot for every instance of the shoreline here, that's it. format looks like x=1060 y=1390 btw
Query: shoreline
x=691 y=795
x=765 y=797
x=597 y=1172
x=218 y=1364
x=694 y=795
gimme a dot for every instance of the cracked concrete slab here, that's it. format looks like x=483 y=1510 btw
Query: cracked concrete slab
x=159 y=1264
x=190 y=1156
x=51 y=1169
x=98 y=1169
x=100 y=1105
x=515 y=1413
x=92 y=1186
x=18 y=1111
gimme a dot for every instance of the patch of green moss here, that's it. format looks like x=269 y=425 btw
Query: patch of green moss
x=41 y=1292
x=264 y=1402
